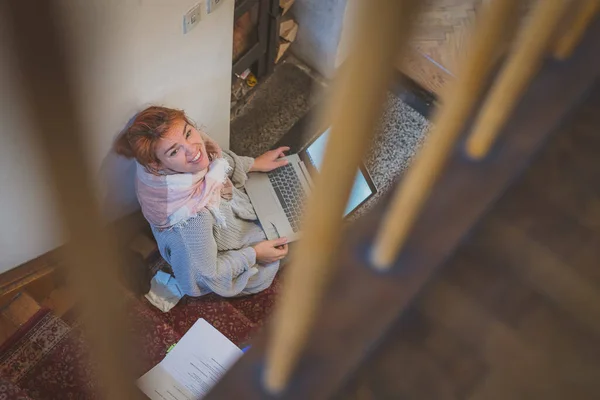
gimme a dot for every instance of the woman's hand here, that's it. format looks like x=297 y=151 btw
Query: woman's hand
x=271 y=250
x=270 y=160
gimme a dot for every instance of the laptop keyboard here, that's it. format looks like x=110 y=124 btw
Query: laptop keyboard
x=289 y=190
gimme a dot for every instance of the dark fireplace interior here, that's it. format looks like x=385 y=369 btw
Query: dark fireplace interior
x=255 y=36
x=259 y=41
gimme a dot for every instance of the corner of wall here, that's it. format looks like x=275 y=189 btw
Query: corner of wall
x=320 y=31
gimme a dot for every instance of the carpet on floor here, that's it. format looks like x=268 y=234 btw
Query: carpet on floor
x=274 y=107
x=399 y=136
x=47 y=358
x=10 y=391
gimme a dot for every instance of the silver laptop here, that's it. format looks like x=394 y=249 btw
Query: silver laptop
x=278 y=196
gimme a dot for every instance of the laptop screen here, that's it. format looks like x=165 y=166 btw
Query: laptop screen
x=361 y=189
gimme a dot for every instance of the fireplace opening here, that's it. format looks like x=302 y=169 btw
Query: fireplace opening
x=262 y=33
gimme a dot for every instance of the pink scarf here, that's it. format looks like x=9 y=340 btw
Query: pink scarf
x=168 y=200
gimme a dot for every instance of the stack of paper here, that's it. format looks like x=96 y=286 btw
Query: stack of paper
x=193 y=367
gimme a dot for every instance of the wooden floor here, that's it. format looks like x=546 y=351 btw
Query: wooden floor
x=516 y=312
x=422 y=70
x=439 y=41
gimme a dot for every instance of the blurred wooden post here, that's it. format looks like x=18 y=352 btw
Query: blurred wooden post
x=574 y=32
x=355 y=106
x=41 y=59
x=491 y=29
x=522 y=64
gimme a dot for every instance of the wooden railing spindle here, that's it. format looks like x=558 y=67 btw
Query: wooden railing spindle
x=42 y=62
x=525 y=60
x=574 y=32
x=356 y=103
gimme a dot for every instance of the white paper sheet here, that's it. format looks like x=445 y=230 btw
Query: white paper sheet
x=192 y=367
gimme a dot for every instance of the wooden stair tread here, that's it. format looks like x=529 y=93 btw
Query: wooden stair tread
x=60 y=301
x=15 y=313
x=20 y=309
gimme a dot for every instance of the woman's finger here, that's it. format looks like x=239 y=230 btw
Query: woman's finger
x=283 y=250
x=279 y=242
x=281 y=151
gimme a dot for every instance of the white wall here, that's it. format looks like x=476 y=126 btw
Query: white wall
x=326 y=32
x=320 y=30
x=129 y=54
x=348 y=31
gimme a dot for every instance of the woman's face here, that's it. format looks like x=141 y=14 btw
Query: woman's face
x=182 y=149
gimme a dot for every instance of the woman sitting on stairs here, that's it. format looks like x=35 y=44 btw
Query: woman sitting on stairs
x=192 y=195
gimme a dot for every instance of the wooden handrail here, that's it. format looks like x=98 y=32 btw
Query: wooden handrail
x=572 y=35
x=523 y=63
x=354 y=107
x=42 y=61
x=457 y=102
x=361 y=304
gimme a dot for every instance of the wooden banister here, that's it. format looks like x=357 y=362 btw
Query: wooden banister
x=588 y=9
x=361 y=304
x=42 y=57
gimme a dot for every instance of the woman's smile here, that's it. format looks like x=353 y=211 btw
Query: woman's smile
x=197 y=158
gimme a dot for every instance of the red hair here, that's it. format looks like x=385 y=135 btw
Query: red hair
x=139 y=139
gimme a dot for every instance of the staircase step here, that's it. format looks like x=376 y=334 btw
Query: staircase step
x=20 y=309
x=61 y=300
x=15 y=313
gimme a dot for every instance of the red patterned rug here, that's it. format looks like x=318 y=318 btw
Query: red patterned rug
x=47 y=357
x=10 y=391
